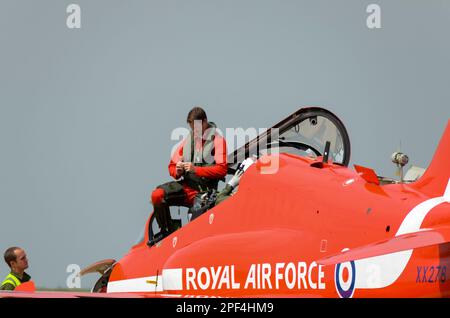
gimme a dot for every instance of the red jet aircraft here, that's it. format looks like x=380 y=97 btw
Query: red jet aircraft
x=301 y=224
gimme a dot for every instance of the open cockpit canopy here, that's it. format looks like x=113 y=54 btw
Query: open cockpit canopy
x=303 y=133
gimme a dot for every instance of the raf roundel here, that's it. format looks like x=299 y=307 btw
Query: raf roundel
x=344 y=278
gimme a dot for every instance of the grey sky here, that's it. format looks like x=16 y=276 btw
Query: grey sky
x=86 y=115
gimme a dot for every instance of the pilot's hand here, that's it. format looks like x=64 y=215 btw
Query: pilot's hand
x=180 y=168
x=189 y=167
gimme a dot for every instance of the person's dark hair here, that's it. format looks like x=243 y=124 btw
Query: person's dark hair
x=196 y=113
x=10 y=256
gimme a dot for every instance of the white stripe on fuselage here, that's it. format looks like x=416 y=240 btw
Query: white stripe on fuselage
x=384 y=270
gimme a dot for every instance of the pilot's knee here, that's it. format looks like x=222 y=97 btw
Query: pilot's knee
x=157 y=196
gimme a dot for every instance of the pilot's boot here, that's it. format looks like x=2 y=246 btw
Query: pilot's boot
x=173 y=226
x=162 y=215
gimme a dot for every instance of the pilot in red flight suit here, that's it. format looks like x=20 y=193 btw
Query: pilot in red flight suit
x=201 y=160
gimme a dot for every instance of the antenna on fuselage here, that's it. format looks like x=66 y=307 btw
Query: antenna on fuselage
x=400 y=159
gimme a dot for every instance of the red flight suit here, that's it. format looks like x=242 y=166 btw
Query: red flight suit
x=217 y=171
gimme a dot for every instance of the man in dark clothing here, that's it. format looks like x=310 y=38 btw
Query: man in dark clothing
x=17 y=260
